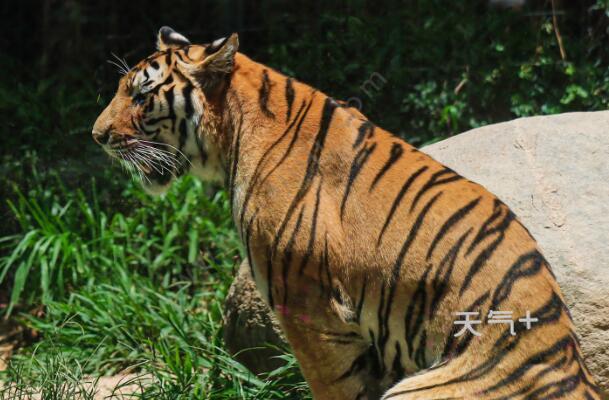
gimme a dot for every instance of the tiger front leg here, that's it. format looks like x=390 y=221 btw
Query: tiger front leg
x=335 y=362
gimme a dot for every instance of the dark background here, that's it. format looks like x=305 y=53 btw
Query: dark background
x=449 y=65
x=438 y=67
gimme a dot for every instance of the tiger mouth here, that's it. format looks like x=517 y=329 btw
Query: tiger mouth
x=146 y=160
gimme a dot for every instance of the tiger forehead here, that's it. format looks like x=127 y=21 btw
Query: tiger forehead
x=170 y=56
x=165 y=59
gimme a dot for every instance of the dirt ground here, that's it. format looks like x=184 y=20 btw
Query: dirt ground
x=117 y=387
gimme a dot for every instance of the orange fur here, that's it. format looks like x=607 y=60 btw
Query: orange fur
x=363 y=246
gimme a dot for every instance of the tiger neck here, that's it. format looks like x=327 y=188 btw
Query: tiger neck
x=265 y=111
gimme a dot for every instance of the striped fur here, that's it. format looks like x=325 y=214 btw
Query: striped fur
x=363 y=246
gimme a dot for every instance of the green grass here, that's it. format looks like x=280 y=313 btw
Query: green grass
x=139 y=289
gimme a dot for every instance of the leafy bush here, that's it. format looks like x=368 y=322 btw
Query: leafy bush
x=68 y=239
x=141 y=289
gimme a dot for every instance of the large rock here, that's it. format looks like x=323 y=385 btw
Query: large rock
x=251 y=332
x=554 y=173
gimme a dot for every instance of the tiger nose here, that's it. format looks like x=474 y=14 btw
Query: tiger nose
x=101 y=138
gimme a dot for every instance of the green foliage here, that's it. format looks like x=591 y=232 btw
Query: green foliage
x=68 y=239
x=50 y=115
x=449 y=66
x=56 y=377
x=141 y=289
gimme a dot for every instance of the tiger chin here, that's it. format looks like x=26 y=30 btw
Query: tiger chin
x=367 y=250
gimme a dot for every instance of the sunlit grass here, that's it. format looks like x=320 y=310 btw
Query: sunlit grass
x=138 y=290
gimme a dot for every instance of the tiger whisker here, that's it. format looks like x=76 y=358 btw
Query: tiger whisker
x=156 y=154
x=155 y=164
x=161 y=159
x=159 y=165
x=129 y=166
x=122 y=61
x=148 y=157
x=138 y=167
x=168 y=165
x=146 y=163
x=168 y=145
x=120 y=68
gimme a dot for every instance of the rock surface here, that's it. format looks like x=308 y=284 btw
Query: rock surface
x=250 y=327
x=553 y=171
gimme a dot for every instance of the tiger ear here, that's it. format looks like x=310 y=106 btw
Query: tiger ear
x=220 y=55
x=218 y=62
x=168 y=38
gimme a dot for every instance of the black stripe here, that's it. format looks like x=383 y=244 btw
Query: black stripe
x=150 y=106
x=443 y=274
x=382 y=324
x=486 y=230
x=289 y=97
x=179 y=55
x=537 y=359
x=527 y=265
x=235 y=160
x=170 y=97
x=394 y=155
x=450 y=349
x=395 y=272
x=171 y=115
x=435 y=180
x=450 y=222
x=311 y=171
x=558 y=389
x=365 y=129
x=293 y=140
x=488 y=251
x=183 y=133
x=359 y=160
x=366 y=361
x=398 y=199
x=258 y=170
x=155 y=89
x=549 y=313
x=287 y=256
x=360 y=303
x=188 y=107
x=181 y=77
x=397 y=368
x=324 y=266
x=248 y=234
x=357 y=366
x=377 y=363
x=420 y=356
x=415 y=313
x=313 y=234
x=263 y=94
x=269 y=278
x=153 y=121
x=312 y=164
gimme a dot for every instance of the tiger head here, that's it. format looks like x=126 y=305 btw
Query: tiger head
x=163 y=120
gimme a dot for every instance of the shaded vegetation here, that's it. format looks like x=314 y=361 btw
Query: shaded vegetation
x=107 y=278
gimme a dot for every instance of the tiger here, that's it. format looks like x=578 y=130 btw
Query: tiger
x=391 y=275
